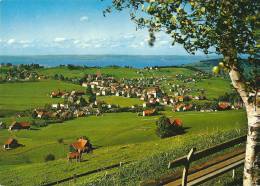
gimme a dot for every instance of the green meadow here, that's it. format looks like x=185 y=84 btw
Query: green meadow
x=27 y=95
x=214 y=87
x=117 y=137
x=117 y=72
x=121 y=101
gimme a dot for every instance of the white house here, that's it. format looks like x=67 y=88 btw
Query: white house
x=84 y=84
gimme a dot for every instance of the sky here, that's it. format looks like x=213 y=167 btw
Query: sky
x=42 y=27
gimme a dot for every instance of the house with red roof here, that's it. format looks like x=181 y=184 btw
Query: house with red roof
x=224 y=105
x=19 y=125
x=176 y=121
x=81 y=145
x=149 y=112
x=10 y=143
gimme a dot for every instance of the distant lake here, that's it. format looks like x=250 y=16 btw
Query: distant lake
x=103 y=60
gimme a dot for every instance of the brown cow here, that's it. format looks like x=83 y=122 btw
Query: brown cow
x=74 y=155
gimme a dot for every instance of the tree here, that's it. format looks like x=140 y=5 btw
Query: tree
x=226 y=27
x=166 y=129
x=60 y=140
x=92 y=98
x=89 y=90
x=49 y=157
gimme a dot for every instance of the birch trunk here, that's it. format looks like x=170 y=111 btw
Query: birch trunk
x=252 y=158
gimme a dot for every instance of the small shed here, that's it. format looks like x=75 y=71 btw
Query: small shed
x=11 y=143
x=81 y=145
x=19 y=125
x=149 y=112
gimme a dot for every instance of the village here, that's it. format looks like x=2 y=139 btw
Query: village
x=81 y=111
x=174 y=96
x=84 y=103
x=15 y=73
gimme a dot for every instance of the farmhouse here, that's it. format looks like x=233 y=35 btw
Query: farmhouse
x=19 y=125
x=149 y=112
x=78 y=113
x=85 y=84
x=176 y=122
x=155 y=92
x=56 y=94
x=224 y=105
x=74 y=155
x=2 y=125
x=10 y=144
x=81 y=145
x=42 y=114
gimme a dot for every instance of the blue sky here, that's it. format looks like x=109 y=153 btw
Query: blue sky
x=72 y=27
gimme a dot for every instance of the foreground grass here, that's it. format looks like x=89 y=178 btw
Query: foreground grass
x=118 y=137
x=155 y=166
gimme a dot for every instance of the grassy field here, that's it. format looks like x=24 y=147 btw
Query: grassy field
x=27 y=95
x=118 y=72
x=118 y=137
x=121 y=101
x=214 y=87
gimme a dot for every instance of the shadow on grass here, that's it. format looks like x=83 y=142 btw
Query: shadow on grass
x=96 y=147
x=83 y=160
x=34 y=129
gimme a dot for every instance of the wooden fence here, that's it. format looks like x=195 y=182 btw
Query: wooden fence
x=185 y=161
x=75 y=176
x=207 y=170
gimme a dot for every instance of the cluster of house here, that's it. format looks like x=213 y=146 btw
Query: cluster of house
x=75 y=105
x=66 y=94
x=146 y=89
x=196 y=77
x=22 y=75
x=66 y=111
x=12 y=143
x=224 y=105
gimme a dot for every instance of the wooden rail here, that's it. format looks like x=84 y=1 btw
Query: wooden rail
x=75 y=176
x=212 y=150
x=205 y=171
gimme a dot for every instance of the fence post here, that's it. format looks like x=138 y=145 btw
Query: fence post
x=186 y=167
x=233 y=174
x=74 y=178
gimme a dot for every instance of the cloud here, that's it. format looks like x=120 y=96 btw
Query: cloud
x=83 y=18
x=24 y=42
x=11 y=41
x=25 y=46
x=163 y=43
x=129 y=36
x=59 y=39
x=76 y=41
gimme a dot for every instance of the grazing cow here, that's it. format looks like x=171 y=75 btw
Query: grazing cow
x=74 y=155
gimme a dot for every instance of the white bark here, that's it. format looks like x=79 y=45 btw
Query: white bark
x=252 y=158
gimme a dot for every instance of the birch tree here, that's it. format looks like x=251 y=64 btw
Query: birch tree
x=225 y=27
